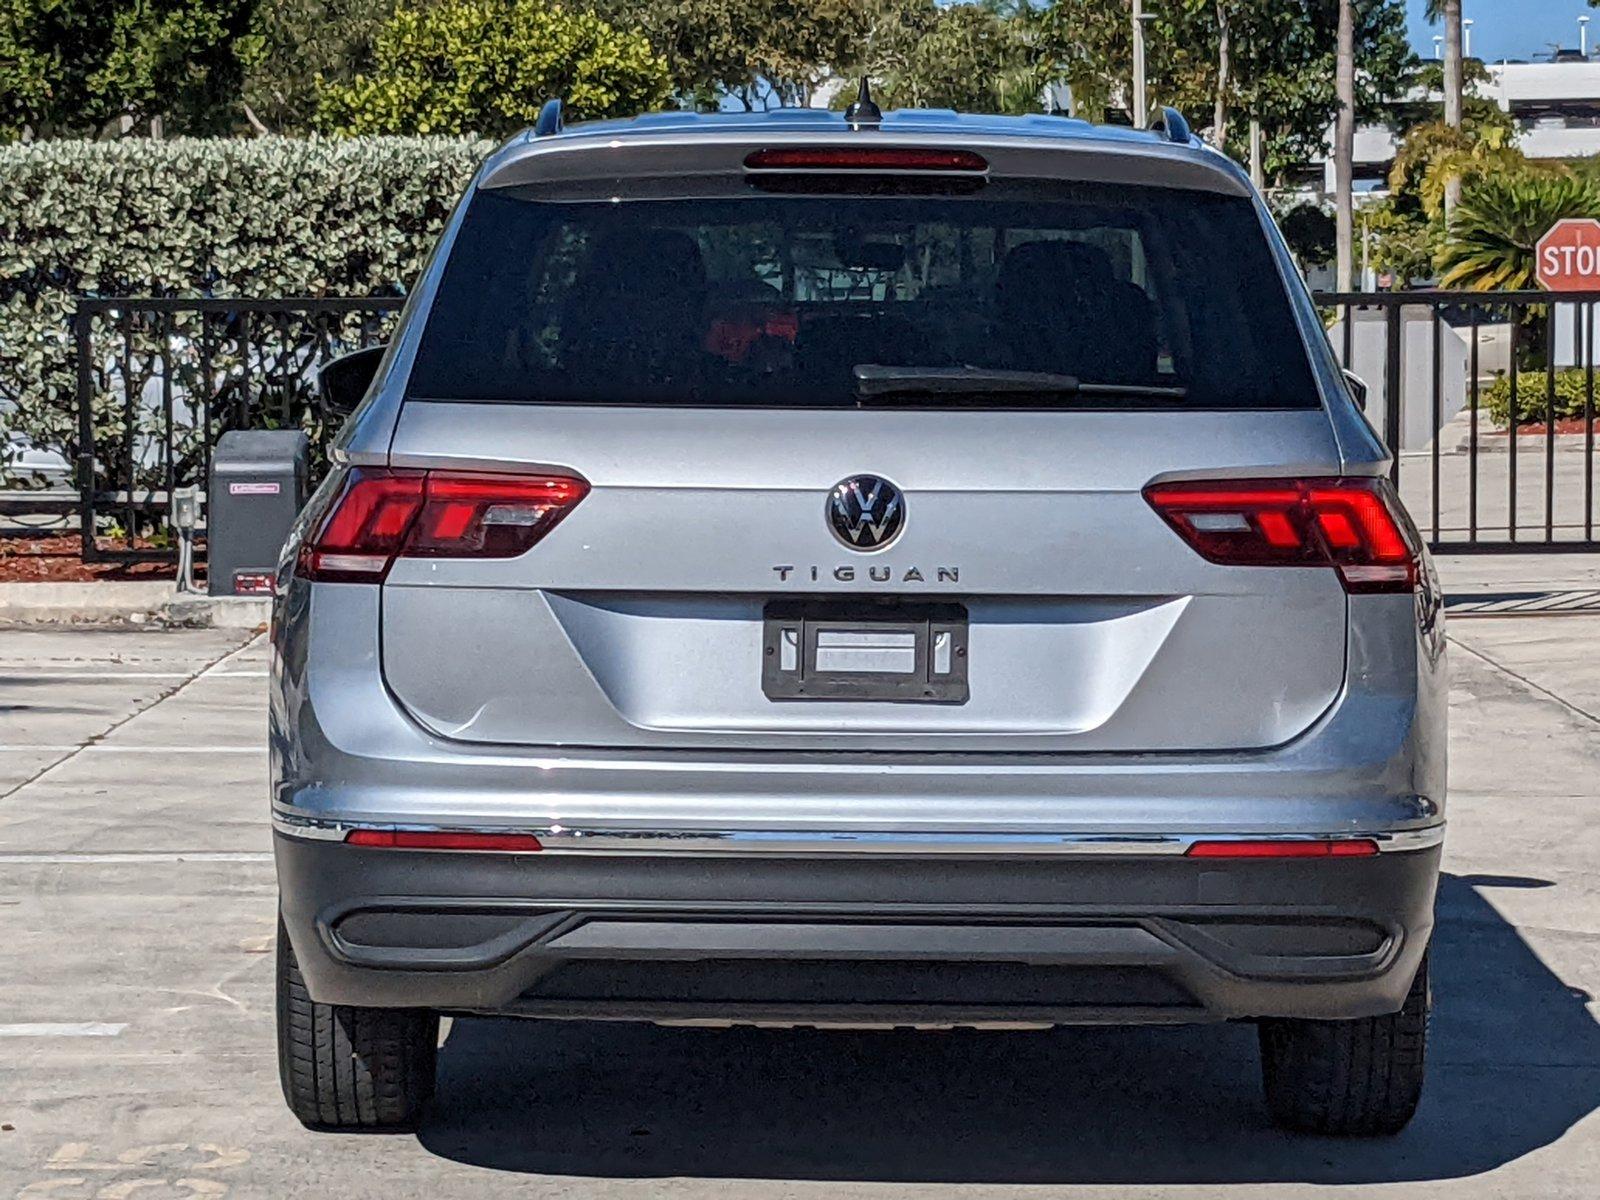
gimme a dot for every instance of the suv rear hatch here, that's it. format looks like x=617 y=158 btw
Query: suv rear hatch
x=1019 y=362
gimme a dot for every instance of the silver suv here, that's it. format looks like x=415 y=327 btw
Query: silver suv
x=857 y=571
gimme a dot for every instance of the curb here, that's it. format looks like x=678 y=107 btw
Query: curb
x=129 y=604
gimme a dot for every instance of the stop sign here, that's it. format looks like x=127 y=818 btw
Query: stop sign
x=1567 y=259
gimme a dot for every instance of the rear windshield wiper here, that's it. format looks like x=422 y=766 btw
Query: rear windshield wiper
x=876 y=383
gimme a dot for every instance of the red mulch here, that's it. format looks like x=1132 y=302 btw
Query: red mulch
x=55 y=559
x=1563 y=425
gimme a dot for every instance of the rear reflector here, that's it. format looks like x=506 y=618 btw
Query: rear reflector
x=1338 y=848
x=411 y=839
x=1355 y=526
x=864 y=158
x=380 y=515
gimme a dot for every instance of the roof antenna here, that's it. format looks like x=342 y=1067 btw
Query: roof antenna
x=550 y=119
x=863 y=111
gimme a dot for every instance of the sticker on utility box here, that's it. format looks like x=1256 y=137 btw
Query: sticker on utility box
x=254 y=489
x=254 y=583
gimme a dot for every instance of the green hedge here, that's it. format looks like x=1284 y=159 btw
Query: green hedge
x=267 y=217
x=1532 y=386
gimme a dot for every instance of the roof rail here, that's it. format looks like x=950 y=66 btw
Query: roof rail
x=549 y=121
x=1170 y=124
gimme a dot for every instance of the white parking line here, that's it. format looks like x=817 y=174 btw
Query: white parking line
x=222 y=665
x=87 y=675
x=63 y=1029
x=111 y=748
x=47 y=858
x=96 y=673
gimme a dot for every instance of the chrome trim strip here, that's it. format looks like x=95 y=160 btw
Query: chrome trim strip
x=559 y=839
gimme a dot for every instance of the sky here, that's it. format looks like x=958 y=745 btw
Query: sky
x=1510 y=28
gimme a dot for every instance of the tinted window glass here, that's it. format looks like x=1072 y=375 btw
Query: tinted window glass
x=1145 y=297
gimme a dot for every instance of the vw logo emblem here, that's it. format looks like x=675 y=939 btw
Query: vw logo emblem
x=866 y=512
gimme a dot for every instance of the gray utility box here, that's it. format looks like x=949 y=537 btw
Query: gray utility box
x=258 y=483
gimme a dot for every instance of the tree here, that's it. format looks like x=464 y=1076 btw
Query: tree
x=1219 y=108
x=25 y=71
x=72 y=66
x=708 y=45
x=1279 y=67
x=1344 y=137
x=1089 y=43
x=1453 y=87
x=1309 y=232
x=182 y=61
x=1286 y=63
x=47 y=53
x=762 y=52
x=806 y=41
x=920 y=54
x=1401 y=246
x=1222 y=28
x=1432 y=156
x=487 y=66
x=1490 y=241
x=1478 y=112
x=301 y=44
x=1452 y=57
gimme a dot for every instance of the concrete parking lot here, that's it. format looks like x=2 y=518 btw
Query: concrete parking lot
x=136 y=1030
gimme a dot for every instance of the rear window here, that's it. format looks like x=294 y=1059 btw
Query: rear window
x=1141 y=297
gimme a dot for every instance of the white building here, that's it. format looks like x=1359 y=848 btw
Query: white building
x=1556 y=107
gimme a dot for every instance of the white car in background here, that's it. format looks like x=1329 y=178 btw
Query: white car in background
x=24 y=464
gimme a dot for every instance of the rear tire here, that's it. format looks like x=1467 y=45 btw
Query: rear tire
x=345 y=1068
x=1359 y=1078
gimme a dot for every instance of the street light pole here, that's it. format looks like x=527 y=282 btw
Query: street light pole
x=1141 y=111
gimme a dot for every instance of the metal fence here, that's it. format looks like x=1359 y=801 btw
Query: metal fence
x=158 y=381
x=1488 y=459
x=1487 y=401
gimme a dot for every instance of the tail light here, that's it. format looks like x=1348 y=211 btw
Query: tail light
x=864 y=158
x=381 y=515
x=870 y=170
x=1355 y=526
x=465 y=839
x=1328 y=848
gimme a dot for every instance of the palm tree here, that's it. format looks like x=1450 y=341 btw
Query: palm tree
x=1451 y=11
x=1344 y=147
x=1490 y=246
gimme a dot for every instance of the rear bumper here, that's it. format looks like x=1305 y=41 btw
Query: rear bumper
x=343 y=751
x=859 y=937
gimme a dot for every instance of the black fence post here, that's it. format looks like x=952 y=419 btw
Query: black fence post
x=1511 y=428
x=1550 y=424
x=1392 y=399
x=1587 y=356
x=84 y=467
x=1436 y=414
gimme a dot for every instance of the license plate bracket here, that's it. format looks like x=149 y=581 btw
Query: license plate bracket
x=824 y=650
